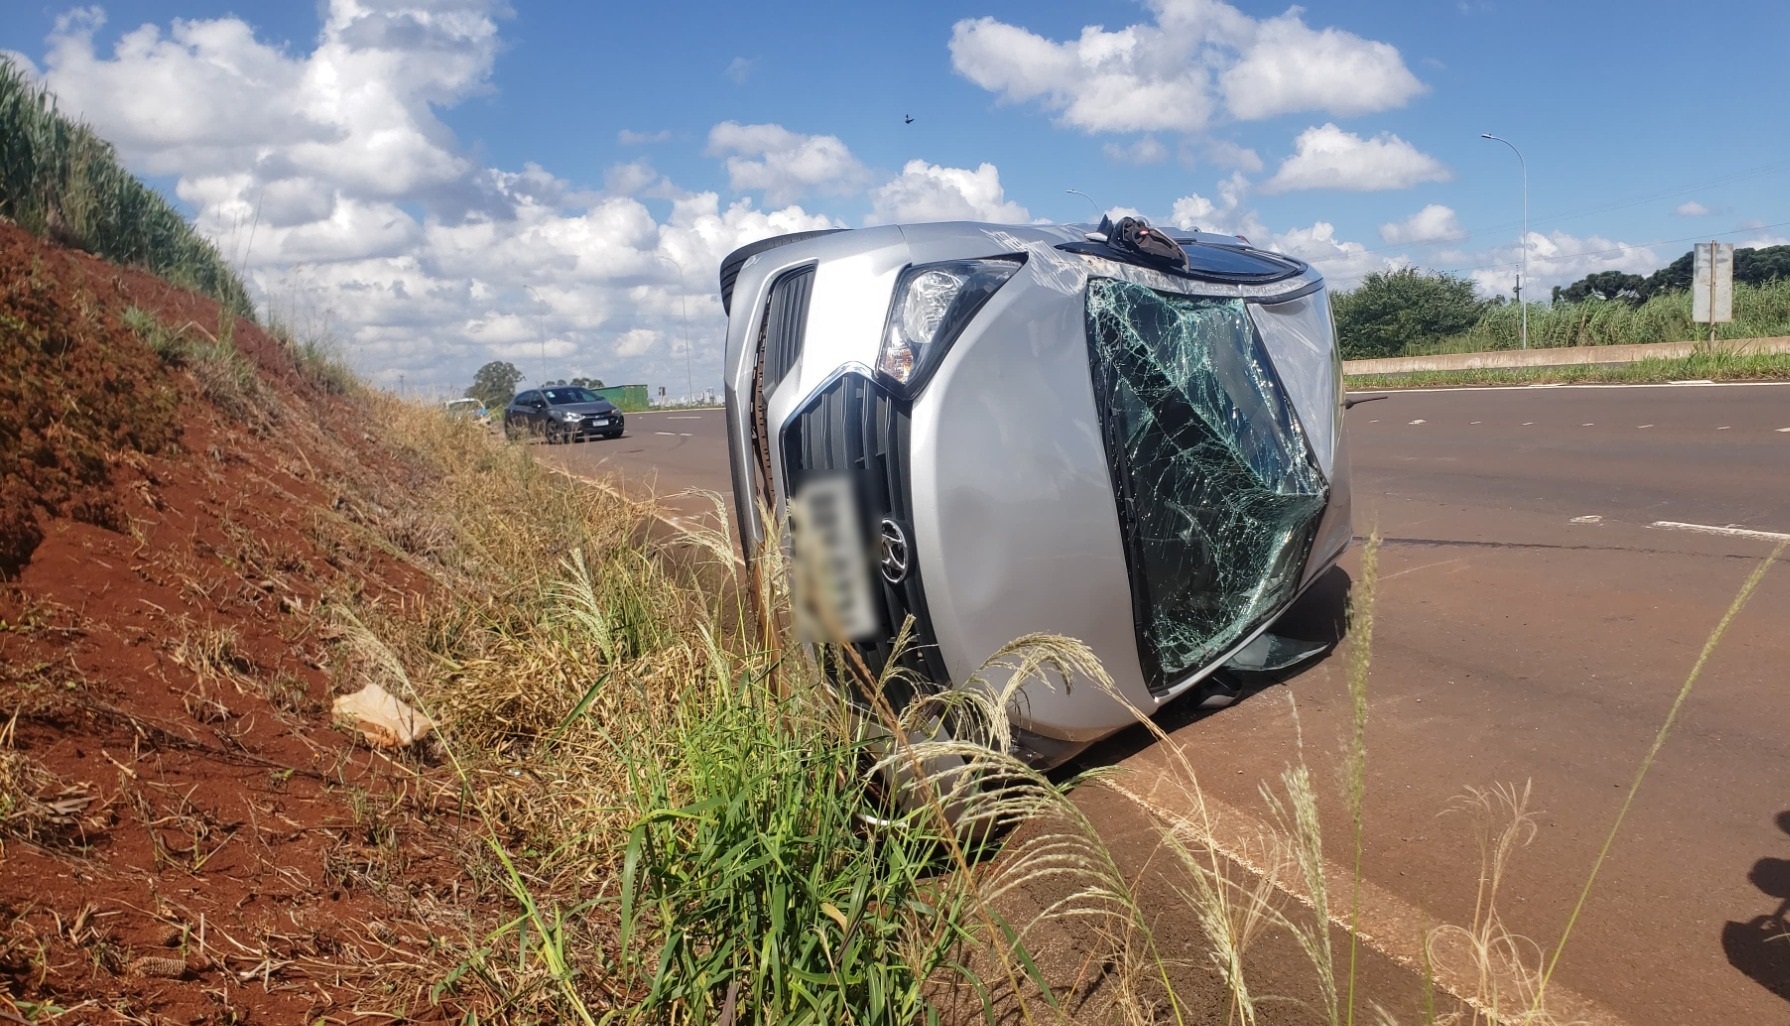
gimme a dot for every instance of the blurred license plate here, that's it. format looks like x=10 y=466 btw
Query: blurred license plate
x=832 y=564
x=600 y=422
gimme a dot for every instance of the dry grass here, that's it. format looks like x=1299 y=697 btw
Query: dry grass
x=36 y=805
x=674 y=813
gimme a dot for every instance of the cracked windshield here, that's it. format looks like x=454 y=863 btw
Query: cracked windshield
x=1218 y=491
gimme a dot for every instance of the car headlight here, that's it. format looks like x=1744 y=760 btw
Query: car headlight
x=933 y=303
x=570 y=415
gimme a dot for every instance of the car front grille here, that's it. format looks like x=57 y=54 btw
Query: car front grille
x=855 y=428
x=785 y=323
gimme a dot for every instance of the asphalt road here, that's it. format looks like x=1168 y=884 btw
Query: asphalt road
x=1533 y=628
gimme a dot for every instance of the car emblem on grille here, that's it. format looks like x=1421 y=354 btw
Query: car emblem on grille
x=891 y=551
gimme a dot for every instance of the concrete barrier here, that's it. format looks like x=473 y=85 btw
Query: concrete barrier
x=1563 y=357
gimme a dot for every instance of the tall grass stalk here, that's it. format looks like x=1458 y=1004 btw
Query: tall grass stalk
x=1361 y=633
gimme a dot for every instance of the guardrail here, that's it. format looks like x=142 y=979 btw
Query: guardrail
x=1572 y=356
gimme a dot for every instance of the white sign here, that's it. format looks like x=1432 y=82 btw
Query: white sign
x=1712 y=283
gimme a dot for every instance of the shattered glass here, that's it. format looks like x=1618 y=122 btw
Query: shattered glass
x=1219 y=492
x=1301 y=341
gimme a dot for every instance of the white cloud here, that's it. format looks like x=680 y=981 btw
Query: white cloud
x=1148 y=150
x=928 y=192
x=630 y=179
x=327 y=172
x=1225 y=215
x=1343 y=263
x=636 y=342
x=628 y=137
x=1762 y=241
x=1326 y=157
x=1177 y=73
x=1290 y=67
x=740 y=70
x=784 y=165
x=1558 y=258
x=1220 y=153
x=1434 y=223
x=1691 y=208
x=22 y=62
x=1194 y=211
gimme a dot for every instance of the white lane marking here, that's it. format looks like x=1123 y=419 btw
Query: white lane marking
x=672 y=434
x=1587 y=425
x=1642 y=427
x=1725 y=427
x=1419 y=420
x=1692 y=381
x=1526 y=423
x=1373 y=422
x=1730 y=531
x=681 y=416
x=1478 y=422
x=1784 y=431
x=1531 y=388
x=1591 y=519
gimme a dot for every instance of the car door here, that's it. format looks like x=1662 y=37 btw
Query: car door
x=521 y=412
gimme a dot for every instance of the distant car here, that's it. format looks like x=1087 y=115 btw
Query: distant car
x=1126 y=435
x=563 y=413
x=469 y=408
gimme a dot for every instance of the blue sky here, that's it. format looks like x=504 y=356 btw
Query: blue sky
x=437 y=184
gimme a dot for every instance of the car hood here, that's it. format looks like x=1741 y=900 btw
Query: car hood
x=588 y=409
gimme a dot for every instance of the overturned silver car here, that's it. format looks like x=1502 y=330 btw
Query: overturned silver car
x=1121 y=434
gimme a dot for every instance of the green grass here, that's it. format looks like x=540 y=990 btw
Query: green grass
x=1697 y=367
x=60 y=180
x=1760 y=311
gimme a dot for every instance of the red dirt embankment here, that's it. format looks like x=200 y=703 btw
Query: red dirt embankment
x=183 y=837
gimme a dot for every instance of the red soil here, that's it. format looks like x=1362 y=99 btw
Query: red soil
x=195 y=843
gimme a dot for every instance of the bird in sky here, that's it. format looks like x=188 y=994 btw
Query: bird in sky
x=910 y=119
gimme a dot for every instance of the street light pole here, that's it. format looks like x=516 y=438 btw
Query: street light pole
x=1523 y=275
x=684 y=317
x=1090 y=199
x=540 y=331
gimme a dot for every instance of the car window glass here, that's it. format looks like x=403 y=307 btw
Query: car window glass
x=562 y=396
x=1217 y=489
x=1302 y=343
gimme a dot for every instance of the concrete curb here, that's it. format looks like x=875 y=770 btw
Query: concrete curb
x=1565 y=357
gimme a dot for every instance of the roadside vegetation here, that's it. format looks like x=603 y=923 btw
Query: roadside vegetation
x=1415 y=313
x=60 y=180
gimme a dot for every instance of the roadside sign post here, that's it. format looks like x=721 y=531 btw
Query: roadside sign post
x=1712 y=285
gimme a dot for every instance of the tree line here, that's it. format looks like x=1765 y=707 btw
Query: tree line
x=1407 y=310
x=495 y=383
